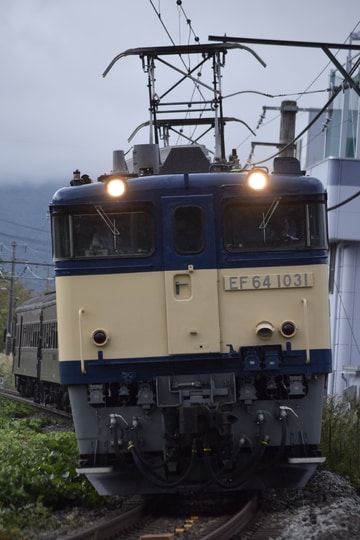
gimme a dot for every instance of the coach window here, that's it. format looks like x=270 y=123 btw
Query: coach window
x=188 y=230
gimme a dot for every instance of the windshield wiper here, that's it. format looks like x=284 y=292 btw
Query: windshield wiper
x=266 y=217
x=107 y=220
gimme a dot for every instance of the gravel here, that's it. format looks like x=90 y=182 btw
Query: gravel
x=327 y=509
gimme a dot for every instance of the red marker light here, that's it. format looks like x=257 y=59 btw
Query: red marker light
x=288 y=329
x=100 y=337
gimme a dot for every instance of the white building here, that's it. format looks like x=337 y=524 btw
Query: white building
x=342 y=178
x=339 y=169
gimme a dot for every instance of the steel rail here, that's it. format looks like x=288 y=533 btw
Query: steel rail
x=235 y=524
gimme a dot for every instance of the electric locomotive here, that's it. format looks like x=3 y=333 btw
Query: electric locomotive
x=193 y=321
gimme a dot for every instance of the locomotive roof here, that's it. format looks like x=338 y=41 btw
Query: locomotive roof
x=145 y=187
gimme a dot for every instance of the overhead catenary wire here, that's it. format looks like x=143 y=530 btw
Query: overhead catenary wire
x=188 y=21
x=158 y=13
x=316 y=117
x=345 y=201
x=328 y=63
x=299 y=95
x=197 y=86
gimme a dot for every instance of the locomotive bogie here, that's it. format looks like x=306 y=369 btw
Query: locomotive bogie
x=171 y=430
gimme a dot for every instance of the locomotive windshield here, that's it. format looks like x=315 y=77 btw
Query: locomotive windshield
x=278 y=226
x=104 y=234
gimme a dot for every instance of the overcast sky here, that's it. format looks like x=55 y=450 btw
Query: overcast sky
x=57 y=112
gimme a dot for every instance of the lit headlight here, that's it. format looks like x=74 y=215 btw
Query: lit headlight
x=257 y=179
x=115 y=186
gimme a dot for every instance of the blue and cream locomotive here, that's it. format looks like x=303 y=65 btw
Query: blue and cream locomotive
x=193 y=322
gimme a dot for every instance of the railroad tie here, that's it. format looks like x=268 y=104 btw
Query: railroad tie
x=163 y=536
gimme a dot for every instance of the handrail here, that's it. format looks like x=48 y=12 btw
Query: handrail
x=306 y=327
x=82 y=359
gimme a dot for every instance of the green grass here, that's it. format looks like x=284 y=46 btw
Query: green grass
x=37 y=471
x=340 y=439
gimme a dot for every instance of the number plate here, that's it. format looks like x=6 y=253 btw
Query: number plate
x=247 y=282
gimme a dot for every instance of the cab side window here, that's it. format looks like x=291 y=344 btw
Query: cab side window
x=61 y=236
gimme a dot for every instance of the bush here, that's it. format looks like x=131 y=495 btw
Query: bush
x=340 y=439
x=41 y=468
x=37 y=470
x=6 y=364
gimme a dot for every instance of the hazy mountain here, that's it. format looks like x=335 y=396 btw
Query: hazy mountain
x=24 y=219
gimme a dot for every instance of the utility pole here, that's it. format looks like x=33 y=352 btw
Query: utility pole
x=287 y=128
x=9 y=325
x=288 y=112
x=9 y=334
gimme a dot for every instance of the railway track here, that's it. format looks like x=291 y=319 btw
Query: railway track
x=13 y=394
x=170 y=518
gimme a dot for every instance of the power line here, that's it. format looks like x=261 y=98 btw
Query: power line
x=24 y=226
x=345 y=201
x=18 y=261
x=162 y=22
x=188 y=21
x=43 y=243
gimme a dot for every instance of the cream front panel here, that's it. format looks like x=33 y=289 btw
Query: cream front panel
x=248 y=296
x=128 y=307
x=192 y=311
